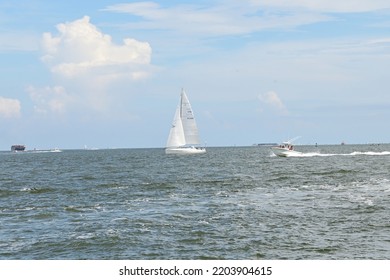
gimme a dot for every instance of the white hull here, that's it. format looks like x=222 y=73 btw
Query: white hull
x=284 y=152
x=185 y=151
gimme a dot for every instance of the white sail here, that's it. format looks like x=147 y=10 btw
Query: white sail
x=184 y=132
x=176 y=134
x=189 y=124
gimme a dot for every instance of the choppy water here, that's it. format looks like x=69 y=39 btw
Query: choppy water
x=333 y=202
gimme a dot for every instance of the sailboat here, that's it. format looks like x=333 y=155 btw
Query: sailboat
x=184 y=136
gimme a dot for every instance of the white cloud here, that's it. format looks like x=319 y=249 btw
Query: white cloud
x=49 y=99
x=231 y=18
x=273 y=101
x=9 y=108
x=149 y=10
x=332 y=6
x=80 y=48
x=240 y=17
x=85 y=62
x=18 y=41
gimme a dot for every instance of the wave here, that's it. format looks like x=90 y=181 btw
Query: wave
x=356 y=153
x=46 y=151
x=385 y=153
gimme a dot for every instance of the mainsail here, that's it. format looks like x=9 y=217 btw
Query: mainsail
x=191 y=133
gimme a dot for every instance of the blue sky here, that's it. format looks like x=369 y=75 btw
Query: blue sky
x=108 y=74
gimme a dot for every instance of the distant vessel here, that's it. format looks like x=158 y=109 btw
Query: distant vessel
x=285 y=149
x=18 y=148
x=184 y=136
x=265 y=144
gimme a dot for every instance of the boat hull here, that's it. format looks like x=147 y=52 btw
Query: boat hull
x=284 y=152
x=185 y=151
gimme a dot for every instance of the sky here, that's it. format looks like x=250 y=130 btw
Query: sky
x=108 y=74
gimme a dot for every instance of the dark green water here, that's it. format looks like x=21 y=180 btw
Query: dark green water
x=231 y=203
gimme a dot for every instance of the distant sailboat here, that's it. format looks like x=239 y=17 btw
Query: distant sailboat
x=184 y=134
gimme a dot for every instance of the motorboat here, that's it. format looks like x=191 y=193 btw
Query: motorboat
x=285 y=149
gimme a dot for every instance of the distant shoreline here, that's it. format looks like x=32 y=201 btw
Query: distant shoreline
x=227 y=146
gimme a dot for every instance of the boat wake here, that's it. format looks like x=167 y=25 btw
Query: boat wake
x=356 y=153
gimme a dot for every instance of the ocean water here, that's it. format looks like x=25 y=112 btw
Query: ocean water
x=332 y=202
